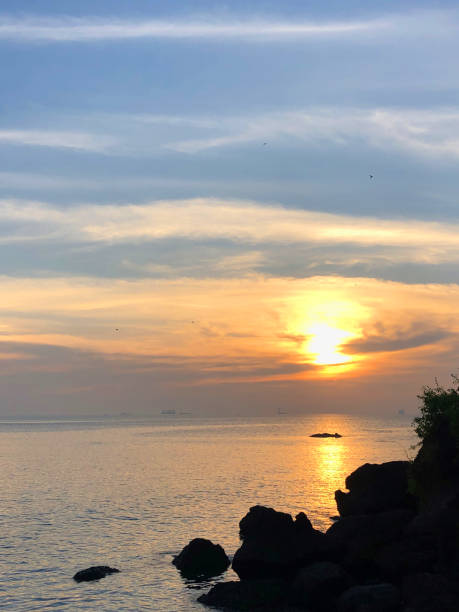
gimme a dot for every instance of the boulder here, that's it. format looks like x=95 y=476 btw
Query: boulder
x=355 y=541
x=407 y=556
x=275 y=545
x=370 y=598
x=428 y=592
x=437 y=530
x=435 y=473
x=95 y=572
x=201 y=559
x=246 y=595
x=317 y=584
x=376 y=488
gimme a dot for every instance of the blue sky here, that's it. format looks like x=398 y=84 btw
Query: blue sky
x=203 y=142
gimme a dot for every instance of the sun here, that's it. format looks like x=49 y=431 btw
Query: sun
x=324 y=342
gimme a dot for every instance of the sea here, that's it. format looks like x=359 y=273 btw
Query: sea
x=131 y=493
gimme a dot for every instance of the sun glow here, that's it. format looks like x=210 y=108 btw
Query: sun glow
x=324 y=344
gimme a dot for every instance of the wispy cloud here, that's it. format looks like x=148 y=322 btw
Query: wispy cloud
x=93 y=29
x=235 y=220
x=223 y=239
x=61 y=140
x=383 y=338
x=429 y=132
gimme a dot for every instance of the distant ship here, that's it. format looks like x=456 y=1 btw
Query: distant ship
x=168 y=412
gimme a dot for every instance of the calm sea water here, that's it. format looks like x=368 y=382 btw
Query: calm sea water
x=131 y=494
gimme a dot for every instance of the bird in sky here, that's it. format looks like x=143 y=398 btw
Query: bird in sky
x=371 y=176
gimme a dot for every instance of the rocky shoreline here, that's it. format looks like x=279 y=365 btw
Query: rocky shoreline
x=395 y=547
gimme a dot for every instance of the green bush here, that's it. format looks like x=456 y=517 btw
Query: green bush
x=439 y=407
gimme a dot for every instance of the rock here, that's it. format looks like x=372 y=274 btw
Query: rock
x=434 y=470
x=94 y=573
x=376 y=488
x=317 y=584
x=370 y=598
x=246 y=595
x=407 y=556
x=427 y=592
x=275 y=545
x=326 y=435
x=201 y=559
x=356 y=540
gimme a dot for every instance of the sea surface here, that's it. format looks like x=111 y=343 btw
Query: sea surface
x=132 y=493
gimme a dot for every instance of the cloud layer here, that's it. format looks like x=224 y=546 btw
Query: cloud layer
x=94 y=29
x=61 y=140
x=237 y=221
x=431 y=133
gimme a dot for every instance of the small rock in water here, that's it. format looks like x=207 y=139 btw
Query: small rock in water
x=94 y=573
x=326 y=435
x=201 y=559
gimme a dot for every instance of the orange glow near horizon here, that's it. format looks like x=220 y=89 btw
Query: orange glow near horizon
x=205 y=331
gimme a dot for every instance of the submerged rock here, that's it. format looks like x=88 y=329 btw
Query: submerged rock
x=95 y=572
x=275 y=545
x=376 y=488
x=201 y=559
x=326 y=435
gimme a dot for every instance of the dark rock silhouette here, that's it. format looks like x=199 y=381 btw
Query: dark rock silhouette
x=376 y=488
x=95 y=572
x=326 y=435
x=428 y=592
x=274 y=545
x=435 y=470
x=248 y=595
x=356 y=540
x=317 y=584
x=370 y=598
x=201 y=559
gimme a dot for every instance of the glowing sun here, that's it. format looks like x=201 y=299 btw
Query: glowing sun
x=324 y=343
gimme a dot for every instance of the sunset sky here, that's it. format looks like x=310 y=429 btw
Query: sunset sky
x=227 y=208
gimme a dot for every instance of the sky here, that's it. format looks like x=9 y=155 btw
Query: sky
x=227 y=208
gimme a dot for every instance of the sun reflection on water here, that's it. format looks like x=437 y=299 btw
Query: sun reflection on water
x=330 y=459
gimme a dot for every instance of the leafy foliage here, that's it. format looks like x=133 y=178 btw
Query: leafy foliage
x=439 y=407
